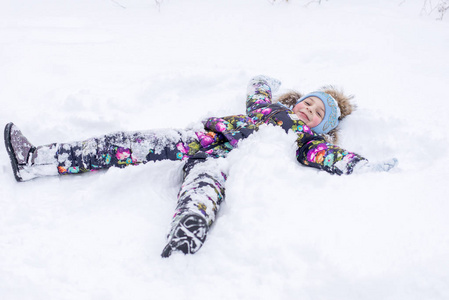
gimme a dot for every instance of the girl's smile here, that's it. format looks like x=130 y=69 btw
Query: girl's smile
x=303 y=117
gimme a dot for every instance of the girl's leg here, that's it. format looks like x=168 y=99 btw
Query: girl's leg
x=121 y=149
x=117 y=149
x=198 y=203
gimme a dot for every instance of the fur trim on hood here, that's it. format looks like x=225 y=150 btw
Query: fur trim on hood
x=344 y=102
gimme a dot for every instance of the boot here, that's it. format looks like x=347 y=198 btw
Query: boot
x=188 y=236
x=28 y=161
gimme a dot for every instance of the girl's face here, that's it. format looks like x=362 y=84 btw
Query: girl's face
x=311 y=111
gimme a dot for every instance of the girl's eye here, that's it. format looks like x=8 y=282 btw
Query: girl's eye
x=307 y=102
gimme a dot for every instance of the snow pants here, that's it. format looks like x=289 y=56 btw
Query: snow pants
x=202 y=190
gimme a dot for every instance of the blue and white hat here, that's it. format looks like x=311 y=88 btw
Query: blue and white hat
x=331 y=115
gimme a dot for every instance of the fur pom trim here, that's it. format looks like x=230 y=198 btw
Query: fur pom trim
x=289 y=99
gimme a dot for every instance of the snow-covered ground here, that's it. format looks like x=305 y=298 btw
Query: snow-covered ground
x=72 y=69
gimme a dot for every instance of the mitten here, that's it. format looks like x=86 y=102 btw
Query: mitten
x=365 y=166
x=272 y=82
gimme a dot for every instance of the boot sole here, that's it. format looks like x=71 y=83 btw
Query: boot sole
x=10 y=150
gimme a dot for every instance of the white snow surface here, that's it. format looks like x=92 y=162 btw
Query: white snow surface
x=72 y=69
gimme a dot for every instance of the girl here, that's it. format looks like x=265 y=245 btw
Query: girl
x=313 y=117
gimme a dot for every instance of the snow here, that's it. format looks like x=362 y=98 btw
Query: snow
x=76 y=69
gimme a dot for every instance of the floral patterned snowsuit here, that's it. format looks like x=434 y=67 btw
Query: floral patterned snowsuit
x=203 y=188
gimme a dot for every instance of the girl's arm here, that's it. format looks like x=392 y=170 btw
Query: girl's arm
x=335 y=160
x=235 y=128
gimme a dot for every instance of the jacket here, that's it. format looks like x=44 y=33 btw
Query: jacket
x=223 y=134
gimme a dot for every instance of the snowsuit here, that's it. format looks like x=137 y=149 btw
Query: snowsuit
x=203 y=188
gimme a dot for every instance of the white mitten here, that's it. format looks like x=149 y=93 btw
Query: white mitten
x=272 y=82
x=382 y=166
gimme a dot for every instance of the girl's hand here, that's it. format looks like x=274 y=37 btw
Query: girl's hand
x=272 y=82
x=382 y=166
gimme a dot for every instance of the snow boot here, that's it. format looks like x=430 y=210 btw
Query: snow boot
x=188 y=236
x=28 y=161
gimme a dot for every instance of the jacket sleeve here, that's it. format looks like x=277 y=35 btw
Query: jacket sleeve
x=258 y=94
x=316 y=153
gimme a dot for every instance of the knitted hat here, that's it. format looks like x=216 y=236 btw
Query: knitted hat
x=331 y=115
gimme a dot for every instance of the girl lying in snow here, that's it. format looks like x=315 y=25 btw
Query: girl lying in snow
x=313 y=117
